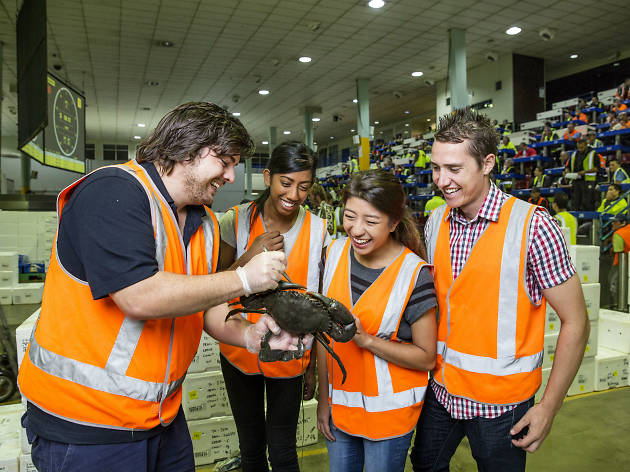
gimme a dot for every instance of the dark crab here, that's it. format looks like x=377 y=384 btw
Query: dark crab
x=300 y=312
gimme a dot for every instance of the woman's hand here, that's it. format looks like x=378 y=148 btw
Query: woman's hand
x=361 y=338
x=323 y=419
x=270 y=240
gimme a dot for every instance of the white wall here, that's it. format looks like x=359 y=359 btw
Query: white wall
x=481 y=84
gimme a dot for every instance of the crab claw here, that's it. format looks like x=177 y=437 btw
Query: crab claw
x=342 y=326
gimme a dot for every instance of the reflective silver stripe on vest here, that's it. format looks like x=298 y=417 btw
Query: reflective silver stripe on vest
x=489 y=365
x=316 y=243
x=431 y=232
x=242 y=228
x=207 y=224
x=332 y=260
x=386 y=399
x=391 y=316
x=385 y=402
x=105 y=380
x=506 y=362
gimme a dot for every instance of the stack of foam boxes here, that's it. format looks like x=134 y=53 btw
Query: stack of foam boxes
x=10 y=457
x=586 y=261
x=611 y=363
x=30 y=234
x=207 y=408
x=22 y=338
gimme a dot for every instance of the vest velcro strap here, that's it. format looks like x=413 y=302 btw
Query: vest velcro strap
x=488 y=365
x=382 y=403
x=98 y=378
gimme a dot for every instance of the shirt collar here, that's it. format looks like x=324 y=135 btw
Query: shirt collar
x=490 y=208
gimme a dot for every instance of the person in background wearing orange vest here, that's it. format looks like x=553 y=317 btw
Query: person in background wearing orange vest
x=571 y=134
x=275 y=221
x=535 y=198
x=620 y=244
x=623 y=91
x=492 y=312
x=380 y=274
x=128 y=292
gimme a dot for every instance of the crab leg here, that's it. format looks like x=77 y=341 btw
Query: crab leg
x=324 y=343
x=231 y=313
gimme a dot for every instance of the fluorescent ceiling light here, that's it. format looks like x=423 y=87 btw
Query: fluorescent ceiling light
x=417 y=74
x=263 y=92
x=265 y=142
x=305 y=59
x=354 y=100
x=316 y=119
x=513 y=30
x=136 y=137
x=286 y=132
x=141 y=125
x=376 y=4
x=377 y=122
x=236 y=114
x=573 y=56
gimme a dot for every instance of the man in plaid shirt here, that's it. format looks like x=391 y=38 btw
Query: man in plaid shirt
x=497 y=260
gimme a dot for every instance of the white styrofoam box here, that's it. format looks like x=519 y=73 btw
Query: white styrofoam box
x=549 y=349
x=611 y=369
x=6 y=296
x=307 y=424
x=28 y=216
x=28 y=293
x=8 y=278
x=207 y=357
x=213 y=439
x=10 y=228
x=543 y=384
x=8 y=217
x=591 y=298
x=47 y=217
x=10 y=437
x=27 y=241
x=23 y=334
x=614 y=330
x=592 y=343
x=30 y=228
x=552 y=322
x=8 y=240
x=584 y=381
x=566 y=233
x=204 y=396
x=586 y=261
x=26 y=463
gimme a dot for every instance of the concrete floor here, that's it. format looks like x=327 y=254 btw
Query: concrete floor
x=591 y=432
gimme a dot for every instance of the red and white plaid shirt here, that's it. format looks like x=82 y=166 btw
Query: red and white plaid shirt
x=548 y=265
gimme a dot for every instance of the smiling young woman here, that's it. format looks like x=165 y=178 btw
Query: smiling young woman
x=380 y=274
x=275 y=221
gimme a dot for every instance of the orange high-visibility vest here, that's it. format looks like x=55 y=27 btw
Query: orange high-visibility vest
x=490 y=334
x=380 y=399
x=304 y=250
x=88 y=363
x=624 y=233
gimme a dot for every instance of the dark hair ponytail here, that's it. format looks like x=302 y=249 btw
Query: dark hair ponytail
x=286 y=158
x=384 y=192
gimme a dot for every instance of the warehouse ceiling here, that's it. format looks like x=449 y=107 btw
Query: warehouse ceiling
x=224 y=51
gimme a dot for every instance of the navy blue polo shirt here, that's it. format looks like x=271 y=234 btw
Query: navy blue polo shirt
x=106 y=238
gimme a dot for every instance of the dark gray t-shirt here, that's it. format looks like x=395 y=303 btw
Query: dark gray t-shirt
x=422 y=297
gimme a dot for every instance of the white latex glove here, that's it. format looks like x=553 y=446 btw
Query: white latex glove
x=280 y=340
x=262 y=272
